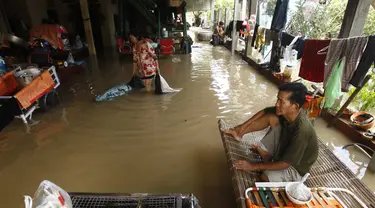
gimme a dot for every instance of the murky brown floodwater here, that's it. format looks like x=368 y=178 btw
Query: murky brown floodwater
x=141 y=142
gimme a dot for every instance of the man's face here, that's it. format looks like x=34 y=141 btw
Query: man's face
x=283 y=104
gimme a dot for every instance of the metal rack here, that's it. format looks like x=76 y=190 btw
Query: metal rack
x=91 y=200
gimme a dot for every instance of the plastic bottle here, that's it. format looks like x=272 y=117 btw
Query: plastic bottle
x=288 y=72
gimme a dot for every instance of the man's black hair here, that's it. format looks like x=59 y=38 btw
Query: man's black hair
x=221 y=23
x=298 y=92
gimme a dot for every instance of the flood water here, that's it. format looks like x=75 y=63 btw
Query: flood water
x=141 y=142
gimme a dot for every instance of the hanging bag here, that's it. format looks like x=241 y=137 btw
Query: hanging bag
x=158 y=89
x=290 y=55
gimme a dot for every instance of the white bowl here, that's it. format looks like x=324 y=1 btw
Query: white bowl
x=296 y=201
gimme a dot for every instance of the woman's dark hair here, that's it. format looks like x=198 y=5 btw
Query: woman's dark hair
x=298 y=92
x=221 y=23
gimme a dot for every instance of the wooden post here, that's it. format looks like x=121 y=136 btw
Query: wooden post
x=350 y=99
x=234 y=32
x=354 y=18
x=185 y=31
x=87 y=23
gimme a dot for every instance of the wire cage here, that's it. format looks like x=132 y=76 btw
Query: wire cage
x=89 y=200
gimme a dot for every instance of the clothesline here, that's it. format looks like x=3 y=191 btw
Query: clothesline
x=337 y=62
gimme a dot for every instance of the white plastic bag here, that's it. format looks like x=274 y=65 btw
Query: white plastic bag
x=300 y=192
x=290 y=55
x=49 y=195
x=165 y=87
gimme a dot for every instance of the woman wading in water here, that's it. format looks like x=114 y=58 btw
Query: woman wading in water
x=145 y=63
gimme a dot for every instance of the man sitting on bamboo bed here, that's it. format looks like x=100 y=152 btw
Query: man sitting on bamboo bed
x=292 y=145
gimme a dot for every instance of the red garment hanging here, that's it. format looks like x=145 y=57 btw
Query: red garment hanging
x=312 y=64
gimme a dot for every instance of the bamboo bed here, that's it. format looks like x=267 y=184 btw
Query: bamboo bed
x=328 y=171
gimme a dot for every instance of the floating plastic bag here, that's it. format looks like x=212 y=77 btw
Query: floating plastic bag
x=116 y=91
x=49 y=195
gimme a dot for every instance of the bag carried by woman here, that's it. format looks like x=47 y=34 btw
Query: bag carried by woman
x=161 y=85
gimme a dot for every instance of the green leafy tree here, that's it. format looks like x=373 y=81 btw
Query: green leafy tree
x=316 y=20
x=370 y=22
x=223 y=4
x=365 y=99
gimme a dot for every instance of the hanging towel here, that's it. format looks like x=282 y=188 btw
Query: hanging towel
x=261 y=38
x=300 y=47
x=255 y=35
x=312 y=64
x=333 y=86
x=280 y=15
x=364 y=65
x=352 y=49
x=286 y=39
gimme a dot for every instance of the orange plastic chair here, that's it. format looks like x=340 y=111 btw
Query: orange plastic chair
x=167 y=46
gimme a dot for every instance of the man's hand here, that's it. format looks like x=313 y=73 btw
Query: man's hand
x=255 y=147
x=234 y=133
x=266 y=156
x=244 y=165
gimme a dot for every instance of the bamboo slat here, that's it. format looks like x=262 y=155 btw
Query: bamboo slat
x=328 y=171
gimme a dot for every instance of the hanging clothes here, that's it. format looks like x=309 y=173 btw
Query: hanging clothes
x=286 y=39
x=312 y=64
x=255 y=35
x=368 y=58
x=261 y=38
x=352 y=49
x=268 y=36
x=280 y=15
x=333 y=86
x=299 y=46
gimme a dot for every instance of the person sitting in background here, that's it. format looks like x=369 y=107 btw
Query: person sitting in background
x=218 y=36
x=291 y=144
x=145 y=63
